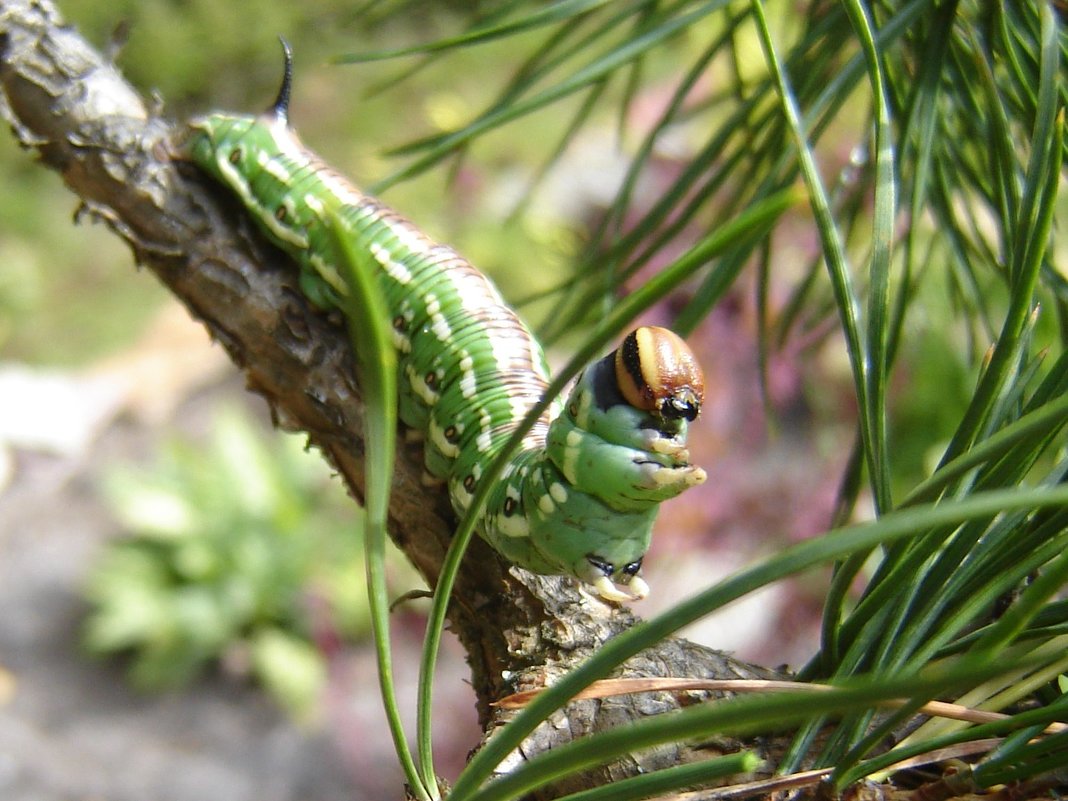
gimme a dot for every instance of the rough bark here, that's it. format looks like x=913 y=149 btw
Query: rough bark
x=70 y=106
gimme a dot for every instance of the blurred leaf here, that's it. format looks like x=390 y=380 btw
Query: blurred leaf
x=155 y=511
x=291 y=669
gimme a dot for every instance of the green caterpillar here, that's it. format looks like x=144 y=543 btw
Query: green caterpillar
x=581 y=495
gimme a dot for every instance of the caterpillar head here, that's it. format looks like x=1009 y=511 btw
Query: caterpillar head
x=656 y=372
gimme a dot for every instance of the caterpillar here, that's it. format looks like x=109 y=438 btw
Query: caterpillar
x=581 y=495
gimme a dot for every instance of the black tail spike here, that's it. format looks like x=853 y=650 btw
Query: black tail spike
x=280 y=108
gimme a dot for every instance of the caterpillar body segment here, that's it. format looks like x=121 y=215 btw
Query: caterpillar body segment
x=581 y=496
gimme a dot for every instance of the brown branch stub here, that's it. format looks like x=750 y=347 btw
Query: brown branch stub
x=69 y=105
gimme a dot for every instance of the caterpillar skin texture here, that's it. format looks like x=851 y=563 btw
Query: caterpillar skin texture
x=581 y=496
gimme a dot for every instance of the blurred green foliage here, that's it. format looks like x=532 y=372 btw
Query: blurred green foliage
x=242 y=550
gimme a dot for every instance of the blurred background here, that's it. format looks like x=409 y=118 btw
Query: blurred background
x=182 y=587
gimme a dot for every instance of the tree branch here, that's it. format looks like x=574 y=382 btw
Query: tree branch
x=71 y=107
